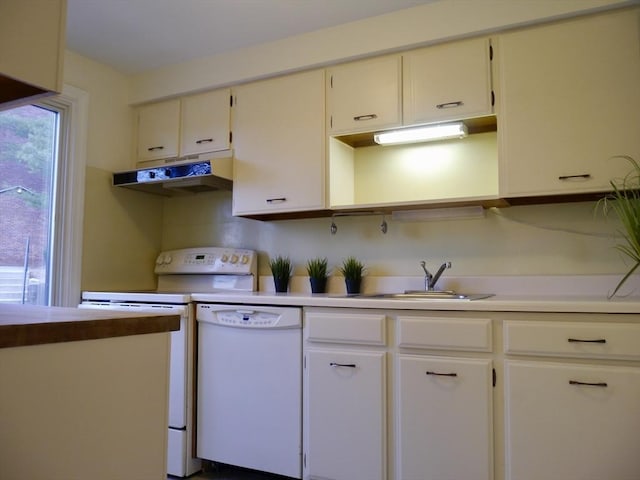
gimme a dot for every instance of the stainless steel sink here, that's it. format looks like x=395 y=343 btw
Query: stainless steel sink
x=424 y=295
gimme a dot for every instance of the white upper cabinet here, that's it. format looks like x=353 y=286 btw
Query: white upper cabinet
x=446 y=82
x=158 y=130
x=205 y=122
x=191 y=125
x=365 y=95
x=570 y=102
x=279 y=145
x=32 y=42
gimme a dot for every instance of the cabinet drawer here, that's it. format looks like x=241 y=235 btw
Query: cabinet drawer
x=573 y=339
x=365 y=329
x=445 y=333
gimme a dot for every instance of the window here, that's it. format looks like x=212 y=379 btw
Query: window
x=41 y=191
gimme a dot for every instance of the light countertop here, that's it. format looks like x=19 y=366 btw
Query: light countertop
x=497 y=303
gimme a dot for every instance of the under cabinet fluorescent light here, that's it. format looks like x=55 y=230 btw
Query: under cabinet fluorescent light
x=438 y=214
x=422 y=134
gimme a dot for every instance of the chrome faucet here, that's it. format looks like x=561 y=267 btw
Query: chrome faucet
x=431 y=280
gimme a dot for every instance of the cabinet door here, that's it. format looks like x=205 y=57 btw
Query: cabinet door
x=447 y=82
x=570 y=102
x=32 y=49
x=158 y=130
x=444 y=418
x=365 y=95
x=279 y=145
x=578 y=422
x=205 y=122
x=345 y=413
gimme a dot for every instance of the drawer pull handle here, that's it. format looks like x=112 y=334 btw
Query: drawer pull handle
x=453 y=374
x=347 y=365
x=370 y=116
x=579 y=340
x=583 y=176
x=276 y=200
x=153 y=149
x=459 y=103
x=588 y=384
x=204 y=140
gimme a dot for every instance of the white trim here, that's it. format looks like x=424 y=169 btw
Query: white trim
x=70 y=184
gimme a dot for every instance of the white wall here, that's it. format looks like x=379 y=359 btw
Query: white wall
x=122 y=229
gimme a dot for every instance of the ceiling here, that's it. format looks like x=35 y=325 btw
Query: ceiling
x=137 y=35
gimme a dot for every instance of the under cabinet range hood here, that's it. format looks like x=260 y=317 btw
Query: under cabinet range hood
x=177 y=178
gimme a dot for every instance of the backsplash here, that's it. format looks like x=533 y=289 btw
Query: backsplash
x=558 y=239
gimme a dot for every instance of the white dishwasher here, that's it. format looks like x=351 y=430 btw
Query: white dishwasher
x=250 y=387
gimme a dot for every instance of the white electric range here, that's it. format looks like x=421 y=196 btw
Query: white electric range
x=181 y=273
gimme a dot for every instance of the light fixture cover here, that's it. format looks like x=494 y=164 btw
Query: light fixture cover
x=427 y=133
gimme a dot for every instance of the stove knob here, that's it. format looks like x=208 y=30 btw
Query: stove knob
x=225 y=258
x=234 y=258
x=167 y=259
x=245 y=259
x=160 y=260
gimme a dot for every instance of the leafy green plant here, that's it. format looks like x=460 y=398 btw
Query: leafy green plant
x=317 y=267
x=624 y=201
x=280 y=267
x=352 y=268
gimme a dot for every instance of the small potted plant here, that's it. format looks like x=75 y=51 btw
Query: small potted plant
x=317 y=270
x=281 y=270
x=352 y=269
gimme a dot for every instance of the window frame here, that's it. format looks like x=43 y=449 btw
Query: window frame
x=66 y=240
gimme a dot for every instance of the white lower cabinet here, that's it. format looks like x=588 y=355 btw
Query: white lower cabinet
x=444 y=413
x=346 y=415
x=572 y=406
x=426 y=395
x=345 y=385
x=444 y=401
x=572 y=422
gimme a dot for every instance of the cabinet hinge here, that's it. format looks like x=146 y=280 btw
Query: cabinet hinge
x=494 y=377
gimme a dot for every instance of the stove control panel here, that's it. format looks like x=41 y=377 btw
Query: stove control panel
x=207 y=260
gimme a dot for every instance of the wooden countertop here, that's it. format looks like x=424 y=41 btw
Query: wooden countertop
x=22 y=325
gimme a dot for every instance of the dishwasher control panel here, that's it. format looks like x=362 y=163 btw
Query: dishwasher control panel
x=243 y=316
x=248 y=318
